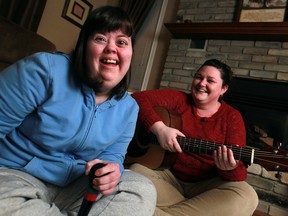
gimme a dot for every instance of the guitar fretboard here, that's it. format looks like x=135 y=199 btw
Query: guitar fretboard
x=245 y=154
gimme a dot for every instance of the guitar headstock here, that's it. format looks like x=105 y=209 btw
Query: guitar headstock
x=272 y=159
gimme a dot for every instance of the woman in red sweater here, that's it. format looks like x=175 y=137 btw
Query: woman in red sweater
x=199 y=184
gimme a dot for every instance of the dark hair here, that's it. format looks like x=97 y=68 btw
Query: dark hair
x=102 y=20
x=225 y=70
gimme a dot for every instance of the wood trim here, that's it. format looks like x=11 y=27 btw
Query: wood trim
x=266 y=31
x=152 y=53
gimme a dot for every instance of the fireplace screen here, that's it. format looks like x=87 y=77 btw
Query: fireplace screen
x=264 y=107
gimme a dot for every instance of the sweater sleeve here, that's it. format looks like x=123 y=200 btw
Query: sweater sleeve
x=236 y=136
x=149 y=99
x=23 y=87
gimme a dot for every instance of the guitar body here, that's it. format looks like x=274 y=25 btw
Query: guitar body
x=144 y=147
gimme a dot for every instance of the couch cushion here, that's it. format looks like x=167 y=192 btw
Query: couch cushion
x=16 y=43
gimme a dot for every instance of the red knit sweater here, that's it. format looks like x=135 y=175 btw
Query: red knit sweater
x=226 y=126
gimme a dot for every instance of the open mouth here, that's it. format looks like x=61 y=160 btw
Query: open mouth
x=109 y=61
x=201 y=90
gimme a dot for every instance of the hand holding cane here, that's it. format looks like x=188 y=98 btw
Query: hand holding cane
x=91 y=194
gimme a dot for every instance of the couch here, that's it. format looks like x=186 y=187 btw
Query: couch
x=16 y=43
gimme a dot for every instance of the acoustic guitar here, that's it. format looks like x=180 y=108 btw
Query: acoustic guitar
x=144 y=148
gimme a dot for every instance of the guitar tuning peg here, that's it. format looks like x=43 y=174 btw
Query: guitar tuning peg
x=278 y=175
x=277 y=144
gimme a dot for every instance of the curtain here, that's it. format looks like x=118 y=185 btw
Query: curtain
x=137 y=10
x=25 y=13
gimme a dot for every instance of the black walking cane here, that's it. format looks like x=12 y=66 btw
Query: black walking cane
x=91 y=194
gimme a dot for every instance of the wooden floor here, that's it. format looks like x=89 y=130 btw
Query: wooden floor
x=258 y=213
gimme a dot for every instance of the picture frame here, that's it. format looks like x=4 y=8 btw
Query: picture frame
x=76 y=11
x=261 y=11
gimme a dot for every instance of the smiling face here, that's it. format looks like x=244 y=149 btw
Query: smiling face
x=108 y=58
x=207 y=86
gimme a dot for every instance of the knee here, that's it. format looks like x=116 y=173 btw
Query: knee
x=145 y=181
x=248 y=197
x=141 y=184
x=143 y=191
x=138 y=168
x=249 y=192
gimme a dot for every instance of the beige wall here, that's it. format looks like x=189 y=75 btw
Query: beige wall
x=60 y=31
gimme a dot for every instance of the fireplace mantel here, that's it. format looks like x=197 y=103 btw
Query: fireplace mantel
x=265 y=31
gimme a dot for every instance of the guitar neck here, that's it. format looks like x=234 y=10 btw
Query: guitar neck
x=245 y=154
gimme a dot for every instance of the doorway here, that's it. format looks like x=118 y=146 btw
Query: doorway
x=145 y=46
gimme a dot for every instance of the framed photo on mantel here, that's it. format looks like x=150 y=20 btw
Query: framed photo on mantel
x=76 y=11
x=261 y=11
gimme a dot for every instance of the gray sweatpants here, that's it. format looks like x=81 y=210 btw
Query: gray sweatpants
x=21 y=194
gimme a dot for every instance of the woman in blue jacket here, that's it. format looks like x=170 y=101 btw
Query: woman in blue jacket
x=60 y=115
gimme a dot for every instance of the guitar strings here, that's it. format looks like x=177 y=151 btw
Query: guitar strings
x=202 y=146
x=273 y=165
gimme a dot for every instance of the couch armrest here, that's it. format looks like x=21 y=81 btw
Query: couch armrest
x=17 y=43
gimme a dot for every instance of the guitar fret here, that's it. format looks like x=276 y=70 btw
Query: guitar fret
x=203 y=146
x=240 y=154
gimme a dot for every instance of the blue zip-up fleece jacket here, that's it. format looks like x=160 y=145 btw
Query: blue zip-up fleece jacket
x=50 y=125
